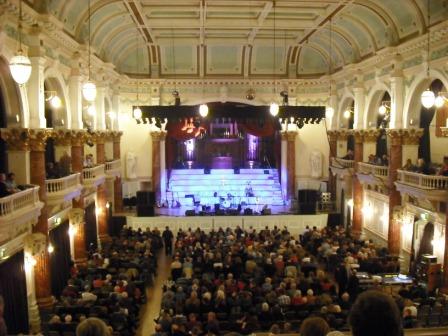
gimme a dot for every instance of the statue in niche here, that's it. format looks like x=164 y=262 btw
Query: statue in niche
x=131 y=165
x=316 y=164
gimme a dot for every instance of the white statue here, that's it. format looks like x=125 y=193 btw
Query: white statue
x=316 y=164
x=165 y=121
x=131 y=165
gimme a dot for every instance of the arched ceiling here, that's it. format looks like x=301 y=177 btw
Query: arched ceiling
x=191 y=38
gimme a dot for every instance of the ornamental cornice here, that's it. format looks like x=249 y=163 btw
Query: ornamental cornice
x=38 y=139
x=371 y=135
x=78 y=137
x=62 y=137
x=343 y=134
x=395 y=136
x=411 y=136
x=157 y=136
x=16 y=138
x=99 y=137
x=332 y=135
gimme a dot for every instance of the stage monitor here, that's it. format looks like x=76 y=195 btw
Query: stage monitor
x=190 y=213
x=248 y=212
x=145 y=211
x=236 y=170
x=266 y=211
x=207 y=171
x=146 y=197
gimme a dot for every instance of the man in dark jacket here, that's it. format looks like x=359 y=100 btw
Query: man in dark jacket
x=167 y=236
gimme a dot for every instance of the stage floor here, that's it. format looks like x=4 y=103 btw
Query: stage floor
x=180 y=212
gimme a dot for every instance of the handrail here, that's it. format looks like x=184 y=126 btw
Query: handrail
x=113 y=165
x=342 y=163
x=19 y=200
x=422 y=180
x=93 y=173
x=368 y=168
x=63 y=183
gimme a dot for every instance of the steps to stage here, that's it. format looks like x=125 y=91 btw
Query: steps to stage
x=225 y=187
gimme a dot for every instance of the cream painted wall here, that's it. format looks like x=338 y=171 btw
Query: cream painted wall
x=438 y=145
x=310 y=138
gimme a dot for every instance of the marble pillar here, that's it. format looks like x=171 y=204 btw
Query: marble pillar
x=156 y=138
x=332 y=138
x=291 y=163
x=101 y=194
x=342 y=138
x=445 y=255
x=118 y=186
x=37 y=141
x=357 y=186
x=77 y=153
x=411 y=141
x=284 y=167
x=395 y=163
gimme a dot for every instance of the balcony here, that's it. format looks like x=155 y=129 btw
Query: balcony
x=113 y=168
x=93 y=177
x=63 y=189
x=430 y=187
x=342 y=167
x=18 y=212
x=372 y=174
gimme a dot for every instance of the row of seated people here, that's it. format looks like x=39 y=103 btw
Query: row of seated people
x=246 y=281
x=423 y=167
x=230 y=278
x=111 y=287
x=8 y=185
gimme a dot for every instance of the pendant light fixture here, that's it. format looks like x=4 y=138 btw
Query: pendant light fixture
x=329 y=111
x=137 y=112
x=20 y=65
x=274 y=108
x=89 y=87
x=428 y=98
x=203 y=108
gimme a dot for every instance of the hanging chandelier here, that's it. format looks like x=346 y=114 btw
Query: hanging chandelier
x=274 y=108
x=137 y=112
x=89 y=87
x=329 y=110
x=20 y=65
x=203 y=108
x=428 y=97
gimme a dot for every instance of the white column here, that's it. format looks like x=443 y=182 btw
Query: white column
x=284 y=167
x=397 y=102
x=333 y=103
x=116 y=110
x=100 y=122
x=163 y=177
x=75 y=93
x=33 y=310
x=36 y=93
x=359 y=107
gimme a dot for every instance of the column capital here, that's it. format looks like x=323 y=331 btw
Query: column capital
x=62 y=137
x=38 y=139
x=78 y=137
x=157 y=136
x=411 y=136
x=371 y=135
x=16 y=138
x=332 y=135
x=343 y=134
x=99 y=137
x=116 y=136
x=291 y=135
x=358 y=135
x=395 y=136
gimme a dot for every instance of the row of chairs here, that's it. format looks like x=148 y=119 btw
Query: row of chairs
x=435 y=316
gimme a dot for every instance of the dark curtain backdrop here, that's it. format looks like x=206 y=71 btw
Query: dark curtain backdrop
x=424 y=150
x=90 y=227
x=60 y=258
x=49 y=151
x=13 y=290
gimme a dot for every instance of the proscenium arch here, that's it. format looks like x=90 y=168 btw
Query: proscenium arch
x=55 y=82
x=12 y=98
x=412 y=105
x=373 y=102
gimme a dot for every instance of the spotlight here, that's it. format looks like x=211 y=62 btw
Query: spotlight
x=284 y=94
x=250 y=94
x=137 y=113
x=50 y=248
x=273 y=109
x=428 y=98
x=440 y=101
x=203 y=110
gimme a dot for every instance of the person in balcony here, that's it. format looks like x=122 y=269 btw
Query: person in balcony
x=444 y=170
x=3 y=187
x=65 y=163
x=409 y=166
x=88 y=162
x=384 y=160
x=349 y=156
x=423 y=167
x=52 y=171
x=372 y=159
x=11 y=183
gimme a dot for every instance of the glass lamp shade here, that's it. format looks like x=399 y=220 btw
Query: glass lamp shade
x=56 y=102
x=347 y=114
x=382 y=110
x=329 y=112
x=273 y=109
x=137 y=113
x=20 y=67
x=428 y=98
x=91 y=110
x=440 y=101
x=89 y=91
x=203 y=110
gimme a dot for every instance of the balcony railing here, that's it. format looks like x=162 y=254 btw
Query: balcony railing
x=63 y=183
x=423 y=181
x=93 y=173
x=342 y=163
x=112 y=166
x=21 y=200
x=371 y=169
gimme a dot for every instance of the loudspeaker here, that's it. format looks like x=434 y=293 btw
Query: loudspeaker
x=266 y=211
x=307 y=196
x=207 y=171
x=146 y=198
x=190 y=213
x=216 y=207
x=145 y=211
x=334 y=219
x=248 y=212
x=307 y=208
x=236 y=170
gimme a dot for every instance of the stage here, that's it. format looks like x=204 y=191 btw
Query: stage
x=296 y=224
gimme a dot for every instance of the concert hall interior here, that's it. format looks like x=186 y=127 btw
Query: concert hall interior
x=207 y=167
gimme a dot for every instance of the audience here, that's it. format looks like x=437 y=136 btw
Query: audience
x=443 y=171
x=3 y=187
x=11 y=183
x=92 y=327
x=314 y=326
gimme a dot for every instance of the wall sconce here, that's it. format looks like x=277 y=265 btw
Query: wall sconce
x=50 y=248
x=99 y=211
x=348 y=113
x=441 y=99
x=350 y=203
x=29 y=262
x=53 y=98
x=72 y=231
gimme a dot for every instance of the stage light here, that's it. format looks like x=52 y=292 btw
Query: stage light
x=107 y=205
x=203 y=110
x=50 y=248
x=137 y=113
x=72 y=231
x=273 y=109
x=428 y=98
